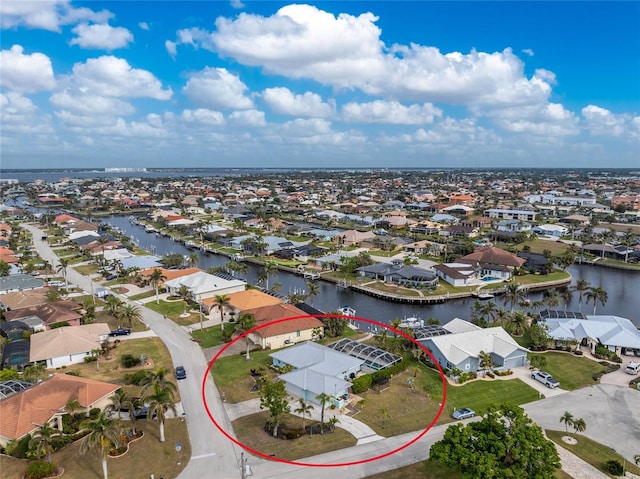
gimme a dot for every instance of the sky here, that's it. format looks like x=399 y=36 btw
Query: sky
x=320 y=84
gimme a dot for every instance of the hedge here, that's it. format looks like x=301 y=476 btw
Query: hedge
x=40 y=470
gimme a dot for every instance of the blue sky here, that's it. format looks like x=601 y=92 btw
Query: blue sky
x=323 y=84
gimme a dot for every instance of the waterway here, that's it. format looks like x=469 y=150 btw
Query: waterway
x=623 y=287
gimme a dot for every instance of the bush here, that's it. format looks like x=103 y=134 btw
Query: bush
x=613 y=467
x=129 y=361
x=361 y=384
x=597 y=376
x=490 y=374
x=39 y=470
x=135 y=378
x=507 y=372
x=94 y=413
x=18 y=449
x=578 y=352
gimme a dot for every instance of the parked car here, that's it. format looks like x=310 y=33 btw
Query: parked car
x=120 y=332
x=58 y=284
x=632 y=368
x=181 y=373
x=463 y=413
x=545 y=378
x=143 y=413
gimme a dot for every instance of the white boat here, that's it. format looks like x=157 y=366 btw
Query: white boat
x=347 y=311
x=411 y=323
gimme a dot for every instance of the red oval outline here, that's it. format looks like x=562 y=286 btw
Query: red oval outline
x=307 y=464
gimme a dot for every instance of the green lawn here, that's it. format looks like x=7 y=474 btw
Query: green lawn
x=136 y=297
x=573 y=372
x=232 y=374
x=211 y=336
x=173 y=310
x=87 y=269
x=592 y=452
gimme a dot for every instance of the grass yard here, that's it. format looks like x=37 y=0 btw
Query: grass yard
x=112 y=372
x=573 y=372
x=104 y=317
x=87 y=269
x=212 y=336
x=232 y=375
x=590 y=451
x=250 y=431
x=173 y=310
x=146 y=456
x=137 y=297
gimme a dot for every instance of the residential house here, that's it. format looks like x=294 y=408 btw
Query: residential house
x=243 y=300
x=19 y=282
x=204 y=285
x=505 y=214
x=493 y=262
x=514 y=226
x=397 y=272
x=43 y=403
x=353 y=237
x=550 y=230
x=456 y=274
x=317 y=370
x=276 y=334
x=57 y=312
x=66 y=346
x=462 y=350
x=612 y=332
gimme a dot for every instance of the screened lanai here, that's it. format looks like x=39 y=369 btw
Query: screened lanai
x=373 y=358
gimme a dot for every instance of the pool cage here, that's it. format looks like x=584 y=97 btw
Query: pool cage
x=374 y=358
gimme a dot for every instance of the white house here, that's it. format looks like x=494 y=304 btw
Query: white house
x=205 y=285
x=317 y=369
x=456 y=274
x=551 y=230
x=66 y=346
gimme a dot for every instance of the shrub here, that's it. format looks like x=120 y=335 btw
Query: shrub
x=129 y=360
x=39 y=470
x=135 y=378
x=613 y=467
x=62 y=324
x=490 y=374
x=578 y=352
x=18 y=449
x=361 y=384
x=597 y=376
x=507 y=372
x=611 y=368
x=94 y=413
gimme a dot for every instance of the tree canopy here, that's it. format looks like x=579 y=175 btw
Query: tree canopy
x=506 y=443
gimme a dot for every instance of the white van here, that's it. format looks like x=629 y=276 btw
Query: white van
x=632 y=368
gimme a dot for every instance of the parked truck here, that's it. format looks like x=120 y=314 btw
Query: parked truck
x=545 y=378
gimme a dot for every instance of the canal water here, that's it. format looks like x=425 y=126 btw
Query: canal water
x=623 y=287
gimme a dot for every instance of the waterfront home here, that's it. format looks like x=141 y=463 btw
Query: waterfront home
x=427 y=247
x=244 y=300
x=398 y=273
x=612 y=332
x=515 y=226
x=316 y=370
x=457 y=274
x=23 y=412
x=494 y=262
x=66 y=346
x=550 y=230
x=284 y=333
x=461 y=350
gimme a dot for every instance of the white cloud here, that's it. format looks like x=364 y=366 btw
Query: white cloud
x=111 y=76
x=307 y=127
x=602 y=122
x=254 y=118
x=101 y=36
x=550 y=119
x=217 y=88
x=237 y=4
x=143 y=25
x=171 y=48
x=46 y=14
x=88 y=104
x=284 y=101
x=26 y=73
x=13 y=103
x=528 y=51
x=345 y=51
x=203 y=116
x=390 y=112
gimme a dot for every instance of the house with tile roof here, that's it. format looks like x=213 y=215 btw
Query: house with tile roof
x=24 y=412
x=245 y=300
x=64 y=311
x=317 y=369
x=612 y=332
x=277 y=334
x=66 y=346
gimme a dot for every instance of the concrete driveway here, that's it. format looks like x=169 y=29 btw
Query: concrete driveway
x=524 y=374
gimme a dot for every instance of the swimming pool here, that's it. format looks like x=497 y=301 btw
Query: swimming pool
x=490 y=278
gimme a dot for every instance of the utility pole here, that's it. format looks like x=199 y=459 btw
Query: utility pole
x=245 y=470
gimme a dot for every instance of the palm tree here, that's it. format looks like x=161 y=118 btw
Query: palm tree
x=567 y=419
x=513 y=294
x=242 y=267
x=113 y=305
x=627 y=238
x=122 y=400
x=184 y=293
x=485 y=360
x=551 y=299
x=519 y=322
x=597 y=295
x=104 y=433
x=566 y=294
x=268 y=269
x=323 y=399
x=501 y=316
x=155 y=278
x=313 y=290
x=128 y=313
x=192 y=260
x=72 y=406
x=62 y=269
x=43 y=440
x=158 y=377
x=46 y=267
x=581 y=287
x=304 y=409
x=579 y=425
x=160 y=400
x=245 y=323
x=221 y=302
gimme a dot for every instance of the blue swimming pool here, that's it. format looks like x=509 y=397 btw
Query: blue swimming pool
x=489 y=278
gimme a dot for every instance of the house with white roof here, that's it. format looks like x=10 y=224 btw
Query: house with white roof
x=550 y=230
x=317 y=369
x=457 y=274
x=461 y=350
x=612 y=332
x=205 y=285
